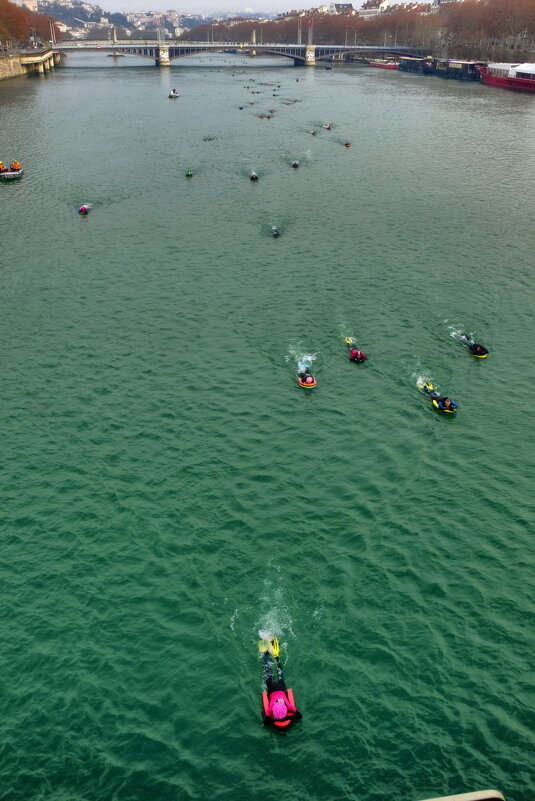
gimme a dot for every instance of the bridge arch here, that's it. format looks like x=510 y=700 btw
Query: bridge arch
x=143 y=52
x=289 y=52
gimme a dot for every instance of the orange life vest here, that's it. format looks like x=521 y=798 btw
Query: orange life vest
x=280 y=724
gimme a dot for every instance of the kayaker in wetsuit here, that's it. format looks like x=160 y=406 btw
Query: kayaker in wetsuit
x=355 y=355
x=281 y=713
x=445 y=404
x=304 y=374
x=474 y=347
x=477 y=349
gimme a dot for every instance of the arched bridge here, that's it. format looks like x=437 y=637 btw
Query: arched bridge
x=163 y=52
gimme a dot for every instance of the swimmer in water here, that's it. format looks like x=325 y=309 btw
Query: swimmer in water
x=280 y=713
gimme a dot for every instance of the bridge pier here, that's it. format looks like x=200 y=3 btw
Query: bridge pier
x=162 y=56
x=310 y=56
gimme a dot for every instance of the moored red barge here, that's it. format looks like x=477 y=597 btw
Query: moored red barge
x=384 y=65
x=509 y=76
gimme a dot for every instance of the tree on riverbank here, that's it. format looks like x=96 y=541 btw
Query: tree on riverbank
x=478 y=29
x=490 y=29
x=17 y=25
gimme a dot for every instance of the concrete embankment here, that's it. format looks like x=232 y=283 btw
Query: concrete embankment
x=13 y=65
x=10 y=67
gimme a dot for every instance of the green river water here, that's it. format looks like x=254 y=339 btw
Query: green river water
x=168 y=491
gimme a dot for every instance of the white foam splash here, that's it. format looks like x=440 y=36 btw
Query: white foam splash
x=297 y=355
x=275 y=619
x=233 y=618
x=421 y=378
x=460 y=334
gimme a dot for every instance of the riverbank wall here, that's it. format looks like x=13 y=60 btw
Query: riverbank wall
x=14 y=65
x=10 y=67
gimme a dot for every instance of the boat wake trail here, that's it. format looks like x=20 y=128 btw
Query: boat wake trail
x=459 y=334
x=300 y=357
x=275 y=616
x=420 y=376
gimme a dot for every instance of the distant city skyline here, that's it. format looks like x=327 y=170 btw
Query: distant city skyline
x=206 y=7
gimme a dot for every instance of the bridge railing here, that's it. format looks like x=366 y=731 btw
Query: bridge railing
x=107 y=44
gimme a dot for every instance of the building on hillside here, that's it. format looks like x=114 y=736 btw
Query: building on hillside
x=334 y=8
x=74 y=33
x=290 y=15
x=31 y=5
x=369 y=9
x=394 y=5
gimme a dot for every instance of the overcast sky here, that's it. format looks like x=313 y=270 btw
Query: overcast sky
x=200 y=6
